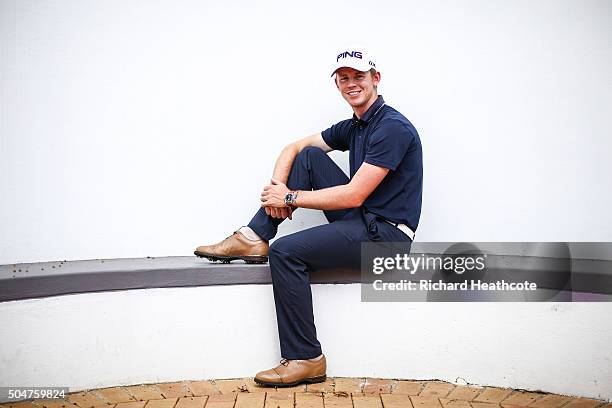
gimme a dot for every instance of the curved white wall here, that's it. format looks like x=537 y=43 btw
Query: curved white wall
x=157 y=335
x=128 y=129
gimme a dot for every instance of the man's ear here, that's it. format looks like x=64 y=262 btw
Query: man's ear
x=376 y=78
x=336 y=81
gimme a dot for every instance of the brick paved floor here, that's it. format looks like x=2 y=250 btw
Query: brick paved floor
x=335 y=392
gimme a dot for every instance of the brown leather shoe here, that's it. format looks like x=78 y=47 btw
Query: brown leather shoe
x=293 y=372
x=236 y=246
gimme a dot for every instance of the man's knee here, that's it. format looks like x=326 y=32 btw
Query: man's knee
x=310 y=152
x=285 y=266
x=280 y=248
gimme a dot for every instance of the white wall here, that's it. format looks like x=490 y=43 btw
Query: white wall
x=132 y=129
x=199 y=333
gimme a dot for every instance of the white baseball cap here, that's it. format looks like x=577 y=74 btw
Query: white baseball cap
x=354 y=58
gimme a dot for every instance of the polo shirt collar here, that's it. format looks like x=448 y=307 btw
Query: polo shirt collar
x=371 y=112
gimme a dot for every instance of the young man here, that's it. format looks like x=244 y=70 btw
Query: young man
x=381 y=201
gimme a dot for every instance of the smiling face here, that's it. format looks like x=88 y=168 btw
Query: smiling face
x=357 y=88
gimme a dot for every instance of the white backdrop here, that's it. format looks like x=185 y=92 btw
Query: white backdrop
x=132 y=128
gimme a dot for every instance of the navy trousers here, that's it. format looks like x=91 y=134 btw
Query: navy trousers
x=336 y=245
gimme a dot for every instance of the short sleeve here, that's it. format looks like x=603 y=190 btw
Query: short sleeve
x=337 y=136
x=388 y=144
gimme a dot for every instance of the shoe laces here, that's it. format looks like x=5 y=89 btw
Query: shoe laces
x=284 y=362
x=229 y=236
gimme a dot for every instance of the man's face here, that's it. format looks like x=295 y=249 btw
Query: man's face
x=357 y=87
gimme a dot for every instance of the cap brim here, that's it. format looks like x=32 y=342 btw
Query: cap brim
x=363 y=67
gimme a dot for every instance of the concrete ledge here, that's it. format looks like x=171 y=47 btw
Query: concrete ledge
x=217 y=321
x=35 y=280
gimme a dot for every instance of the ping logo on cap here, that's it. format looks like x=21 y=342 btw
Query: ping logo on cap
x=354 y=54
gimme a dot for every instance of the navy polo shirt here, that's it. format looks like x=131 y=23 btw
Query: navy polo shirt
x=384 y=137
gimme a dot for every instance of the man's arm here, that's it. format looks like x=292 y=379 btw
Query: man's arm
x=350 y=195
x=284 y=163
x=288 y=154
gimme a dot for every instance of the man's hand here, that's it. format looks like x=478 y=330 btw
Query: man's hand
x=279 y=212
x=273 y=197
x=282 y=168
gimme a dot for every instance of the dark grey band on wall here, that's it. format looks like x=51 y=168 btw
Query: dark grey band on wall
x=36 y=280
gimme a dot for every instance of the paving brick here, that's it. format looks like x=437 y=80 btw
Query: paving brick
x=406 y=387
x=454 y=403
x=114 y=395
x=85 y=399
x=53 y=403
x=199 y=388
x=252 y=386
x=174 y=389
x=144 y=392
x=162 y=403
x=221 y=401
x=521 y=398
x=376 y=386
x=279 y=400
x=232 y=386
x=21 y=404
x=367 y=401
x=326 y=386
x=191 y=402
x=350 y=385
x=464 y=393
x=425 y=402
x=292 y=390
x=484 y=405
x=308 y=400
x=282 y=393
x=135 y=404
x=333 y=393
x=436 y=389
x=583 y=403
x=396 y=400
x=342 y=400
x=493 y=395
x=250 y=400
x=551 y=401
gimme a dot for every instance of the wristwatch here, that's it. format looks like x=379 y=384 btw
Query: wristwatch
x=290 y=198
